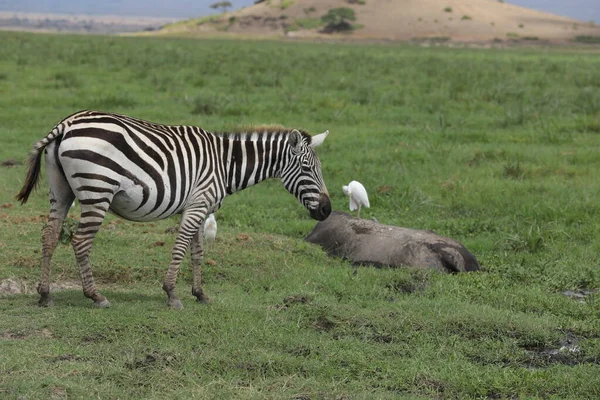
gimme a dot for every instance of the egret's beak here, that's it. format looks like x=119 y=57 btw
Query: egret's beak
x=323 y=210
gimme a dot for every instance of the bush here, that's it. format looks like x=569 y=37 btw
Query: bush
x=337 y=20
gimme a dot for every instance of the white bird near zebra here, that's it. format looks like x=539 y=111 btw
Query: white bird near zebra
x=358 y=196
x=210 y=229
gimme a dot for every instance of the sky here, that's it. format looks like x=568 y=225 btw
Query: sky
x=584 y=10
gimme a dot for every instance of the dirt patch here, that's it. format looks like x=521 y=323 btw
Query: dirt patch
x=58 y=392
x=568 y=352
x=416 y=282
x=64 y=357
x=172 y=229
x=12 y=286
x=10 y=163
x=44 y=333
x=579 y=294
x=291 y=300
x=151 y=360
x=322 y=323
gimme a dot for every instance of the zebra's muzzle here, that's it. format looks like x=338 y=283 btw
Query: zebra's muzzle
x=323 y=210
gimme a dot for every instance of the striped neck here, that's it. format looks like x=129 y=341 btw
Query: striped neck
x=251 y=157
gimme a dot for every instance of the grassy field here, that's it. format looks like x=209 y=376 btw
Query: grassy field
x=495 y=148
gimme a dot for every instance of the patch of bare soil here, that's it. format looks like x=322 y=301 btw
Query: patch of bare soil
x=12 y=286
x=10 y=163
x=580 y=294
x=568 y=352
x=44 y=333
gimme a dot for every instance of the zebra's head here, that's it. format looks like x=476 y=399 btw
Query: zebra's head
x=302 y=176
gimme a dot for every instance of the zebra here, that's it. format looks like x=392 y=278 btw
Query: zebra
x=144 y=171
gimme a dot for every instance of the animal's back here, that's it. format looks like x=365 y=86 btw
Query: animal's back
x=150 y=169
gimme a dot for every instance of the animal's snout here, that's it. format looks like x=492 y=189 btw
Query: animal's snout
x=323 y=209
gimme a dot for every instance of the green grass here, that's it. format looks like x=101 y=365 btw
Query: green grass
x=495 y=148
x=309 y=22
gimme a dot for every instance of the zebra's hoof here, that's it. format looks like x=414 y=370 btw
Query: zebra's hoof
x=101 y=304
x=175 y=304
x=200 y=296
x=46 y=301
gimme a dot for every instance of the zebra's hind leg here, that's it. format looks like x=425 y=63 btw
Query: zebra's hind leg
x=197 y=253
x=92 y=215
x=61 y=196
x=191 y=222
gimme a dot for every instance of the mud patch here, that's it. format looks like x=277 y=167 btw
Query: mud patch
x=568 y=352
x=580 y=294
x=152 y=360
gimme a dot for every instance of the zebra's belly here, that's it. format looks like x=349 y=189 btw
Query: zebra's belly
x=126 y=204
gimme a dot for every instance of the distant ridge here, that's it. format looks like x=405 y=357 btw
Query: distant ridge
x=91 y=24
x=457 y=20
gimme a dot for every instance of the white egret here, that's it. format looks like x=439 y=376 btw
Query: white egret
x=210 y=229
x=358 y=196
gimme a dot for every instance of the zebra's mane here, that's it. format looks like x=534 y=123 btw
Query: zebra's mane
x=245 y=131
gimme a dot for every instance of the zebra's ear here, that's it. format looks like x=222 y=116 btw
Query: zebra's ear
x=318 y=139
x=295 y=139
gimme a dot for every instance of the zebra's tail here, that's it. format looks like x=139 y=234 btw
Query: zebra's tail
x=35 y=163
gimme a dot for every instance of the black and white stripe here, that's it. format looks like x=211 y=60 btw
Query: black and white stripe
x=144 y=171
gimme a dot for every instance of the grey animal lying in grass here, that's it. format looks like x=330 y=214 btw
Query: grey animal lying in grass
x=367 y=242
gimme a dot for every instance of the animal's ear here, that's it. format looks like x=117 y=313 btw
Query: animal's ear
x=318 y=139
x=295 y=139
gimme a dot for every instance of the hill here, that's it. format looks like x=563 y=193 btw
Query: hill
x=460 y=20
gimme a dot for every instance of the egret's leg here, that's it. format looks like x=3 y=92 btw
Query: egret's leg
x=358 y=212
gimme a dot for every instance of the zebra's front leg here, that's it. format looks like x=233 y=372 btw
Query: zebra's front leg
x=191 y=222
x=197 y=253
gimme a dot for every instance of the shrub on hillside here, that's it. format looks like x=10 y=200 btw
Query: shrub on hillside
x=337 y=20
